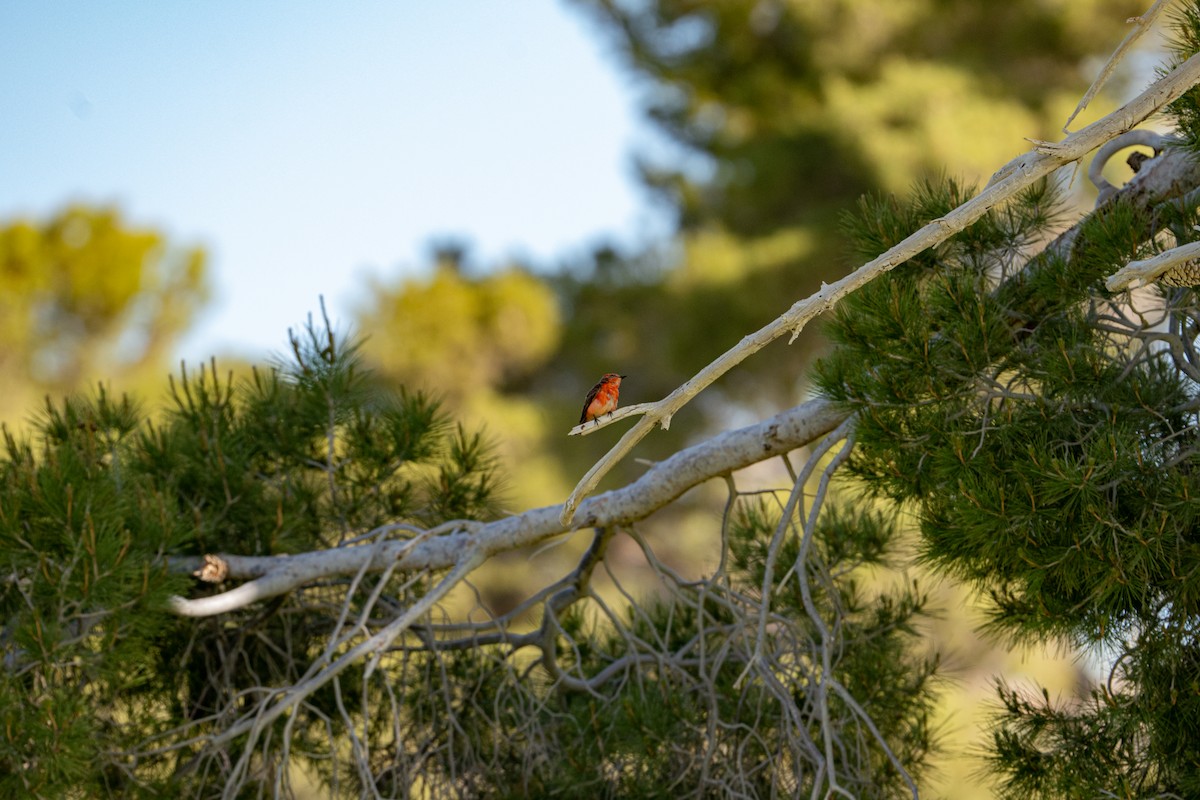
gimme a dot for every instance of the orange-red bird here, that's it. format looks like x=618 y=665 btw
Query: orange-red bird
x=602 y=399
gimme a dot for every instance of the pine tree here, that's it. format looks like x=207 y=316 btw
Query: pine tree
x=106 y=692
x=96 y=501
x=1043 y=431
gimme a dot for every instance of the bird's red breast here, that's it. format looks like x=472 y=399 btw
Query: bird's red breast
x=602 y=399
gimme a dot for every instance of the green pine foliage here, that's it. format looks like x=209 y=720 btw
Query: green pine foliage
x=1045 y=436
x=105 y=693
x=1184 y=43
x=97 y=498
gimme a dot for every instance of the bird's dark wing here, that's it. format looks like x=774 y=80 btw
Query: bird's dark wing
x=590 y=397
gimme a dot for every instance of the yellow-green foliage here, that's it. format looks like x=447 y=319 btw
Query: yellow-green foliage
x=84 y=296
x=459 y=335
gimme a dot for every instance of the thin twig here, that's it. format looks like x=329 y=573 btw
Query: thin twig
x=1141 y=24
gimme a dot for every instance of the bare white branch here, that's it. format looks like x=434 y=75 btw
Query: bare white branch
x=1146 y=138
x=274 y=575
x=272 y=707
x=593 y=425
x=1017 y=175
x=1141 y=24
x=1136 y=274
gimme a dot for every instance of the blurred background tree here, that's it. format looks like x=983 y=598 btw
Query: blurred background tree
x=460 y=335
x=779 y=115
x=774 y=118
x=474 y=338
x=85 y=296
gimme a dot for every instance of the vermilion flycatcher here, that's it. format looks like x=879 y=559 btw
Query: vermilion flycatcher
x=602 y=399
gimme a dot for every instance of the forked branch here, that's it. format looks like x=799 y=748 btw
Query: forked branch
x=269 y=576
x=1019 y=174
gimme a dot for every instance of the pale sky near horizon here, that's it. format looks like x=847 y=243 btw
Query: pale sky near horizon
x=308 y=145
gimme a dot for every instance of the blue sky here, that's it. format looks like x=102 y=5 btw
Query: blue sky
x=308 y=145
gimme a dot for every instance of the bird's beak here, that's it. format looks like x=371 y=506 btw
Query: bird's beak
x=623 y=377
